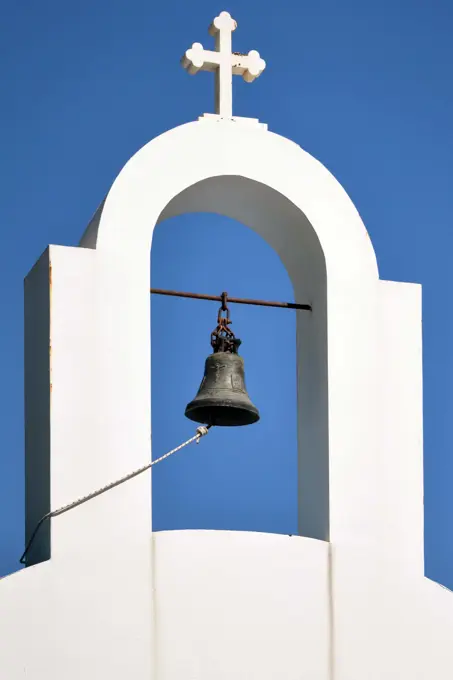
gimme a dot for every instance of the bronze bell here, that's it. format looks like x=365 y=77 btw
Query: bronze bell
x=222 y=398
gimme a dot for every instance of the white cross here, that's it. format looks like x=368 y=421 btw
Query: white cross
x=223 y=62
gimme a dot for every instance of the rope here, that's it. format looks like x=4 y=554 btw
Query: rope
x=201 y=432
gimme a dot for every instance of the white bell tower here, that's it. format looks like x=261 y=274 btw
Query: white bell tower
x=346 y=599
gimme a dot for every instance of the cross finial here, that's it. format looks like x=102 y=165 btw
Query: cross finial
x=223 y=62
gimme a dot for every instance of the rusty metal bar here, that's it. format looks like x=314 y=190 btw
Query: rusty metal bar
x=239 y=301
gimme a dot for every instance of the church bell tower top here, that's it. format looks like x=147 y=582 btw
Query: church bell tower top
x=223 y=62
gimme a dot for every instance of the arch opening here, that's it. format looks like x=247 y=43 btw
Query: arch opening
x=240 y=478
x=287 y=230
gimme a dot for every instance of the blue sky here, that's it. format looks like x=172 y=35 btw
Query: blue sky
x=365 y=87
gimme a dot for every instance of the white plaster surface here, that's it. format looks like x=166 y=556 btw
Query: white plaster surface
x=106 y=605
x=246 y=605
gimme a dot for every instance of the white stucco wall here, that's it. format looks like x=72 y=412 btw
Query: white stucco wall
x=108 y=605
x=246 y=605
x=86 y=612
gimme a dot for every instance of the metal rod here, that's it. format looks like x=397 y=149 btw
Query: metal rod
x=239 y=301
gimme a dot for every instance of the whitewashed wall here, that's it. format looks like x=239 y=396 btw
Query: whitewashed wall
x=246 y=605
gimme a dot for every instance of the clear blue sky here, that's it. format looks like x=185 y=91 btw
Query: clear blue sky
x=366 y=87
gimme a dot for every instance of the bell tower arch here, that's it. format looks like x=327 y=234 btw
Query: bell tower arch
x=308 y=219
